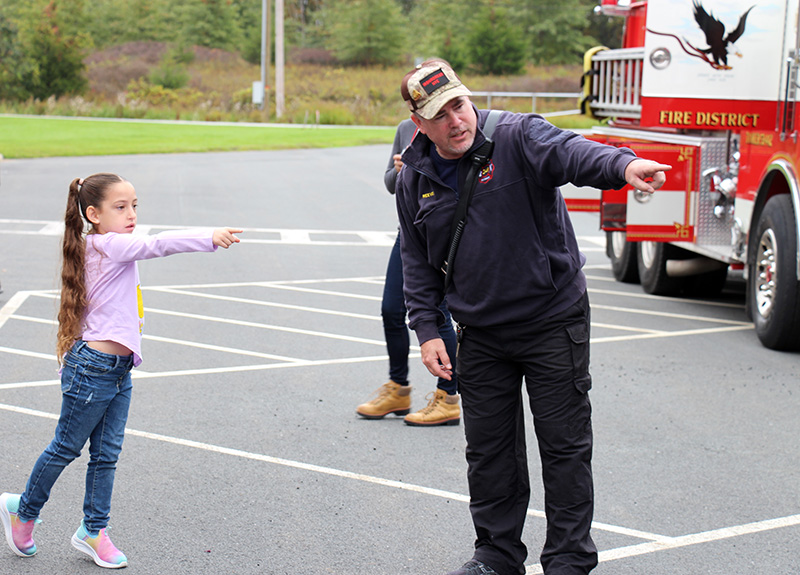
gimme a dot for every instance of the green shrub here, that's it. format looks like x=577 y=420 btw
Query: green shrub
x=169 y=75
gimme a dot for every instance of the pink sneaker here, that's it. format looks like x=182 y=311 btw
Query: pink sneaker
x=100 y=548
x=18 y=533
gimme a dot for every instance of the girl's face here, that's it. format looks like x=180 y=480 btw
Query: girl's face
x=117 y=212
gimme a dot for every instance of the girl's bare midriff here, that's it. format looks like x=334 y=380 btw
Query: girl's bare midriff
x=109 y=347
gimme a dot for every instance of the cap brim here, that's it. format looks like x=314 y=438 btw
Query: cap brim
x=432 y=106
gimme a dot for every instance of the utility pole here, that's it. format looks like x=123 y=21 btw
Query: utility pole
x=268 y=50
x=266 y=46
x=263 y=50
x=280 y=103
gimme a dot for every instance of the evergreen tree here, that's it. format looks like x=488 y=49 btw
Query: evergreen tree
x=367 y=32
x=444 y=34
x=13 y=64
x=247 y=15
x=210 y=23
x=495 y=46
x=55 y=56
x=556 y=29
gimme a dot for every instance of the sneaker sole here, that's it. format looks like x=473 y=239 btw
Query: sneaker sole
x=398 y=412
x=456 y=421
x=5 y=517
x=84 y=547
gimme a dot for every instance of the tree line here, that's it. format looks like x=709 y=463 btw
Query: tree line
x=43 y=42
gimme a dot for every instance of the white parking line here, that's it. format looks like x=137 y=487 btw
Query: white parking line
x=667 y=543
x=649 y=312
x=267 y=303
x=275 y=285
x=647 y=296
x=139 y=374
x=369 y=238
x=655 y=544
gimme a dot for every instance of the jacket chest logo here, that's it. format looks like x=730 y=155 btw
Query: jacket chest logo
x=487 y=173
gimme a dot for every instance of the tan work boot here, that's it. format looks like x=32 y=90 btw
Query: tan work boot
x=392 y=398
x=442 y=409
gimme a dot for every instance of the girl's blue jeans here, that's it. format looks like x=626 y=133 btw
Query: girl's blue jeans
x=95 y=397
x=393 y=311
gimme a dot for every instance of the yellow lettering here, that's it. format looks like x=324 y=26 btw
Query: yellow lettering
x=682 y=231
x=759 y=139
x=428 y=195
x=675 y=117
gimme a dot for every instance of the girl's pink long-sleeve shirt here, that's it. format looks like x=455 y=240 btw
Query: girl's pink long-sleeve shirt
x=115 y=312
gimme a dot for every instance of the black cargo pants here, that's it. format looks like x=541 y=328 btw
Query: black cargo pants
x=552 y=356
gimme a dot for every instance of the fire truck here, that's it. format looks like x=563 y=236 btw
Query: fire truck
x=709 y=87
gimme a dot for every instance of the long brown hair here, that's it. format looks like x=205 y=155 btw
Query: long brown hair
x=82 y=194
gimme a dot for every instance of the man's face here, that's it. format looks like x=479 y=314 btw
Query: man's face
x=453 y=129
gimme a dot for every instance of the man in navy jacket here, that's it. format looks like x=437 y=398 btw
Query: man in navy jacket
x=519 y=296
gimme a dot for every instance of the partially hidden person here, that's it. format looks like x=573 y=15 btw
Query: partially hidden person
x=394 y=396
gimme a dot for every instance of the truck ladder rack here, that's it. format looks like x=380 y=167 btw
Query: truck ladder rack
x=616 y=83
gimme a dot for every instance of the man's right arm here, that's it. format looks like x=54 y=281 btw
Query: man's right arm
x=423 y=285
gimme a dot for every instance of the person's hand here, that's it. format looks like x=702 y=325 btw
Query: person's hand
x=398 y=162
x=435 y=358
x=224 y=238
x=646 y=175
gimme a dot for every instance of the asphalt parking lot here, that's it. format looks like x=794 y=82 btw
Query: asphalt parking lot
x=244 y=454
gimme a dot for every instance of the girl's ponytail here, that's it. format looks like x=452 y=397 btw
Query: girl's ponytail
x=73 y=285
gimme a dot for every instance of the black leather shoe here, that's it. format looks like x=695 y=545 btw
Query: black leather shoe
x=473 y=567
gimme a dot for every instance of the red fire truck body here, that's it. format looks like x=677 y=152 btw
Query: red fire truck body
x=709 y=87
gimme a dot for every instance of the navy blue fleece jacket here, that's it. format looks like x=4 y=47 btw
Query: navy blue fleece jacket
x=518 y=260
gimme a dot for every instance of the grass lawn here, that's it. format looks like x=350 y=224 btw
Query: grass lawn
x=40 y=137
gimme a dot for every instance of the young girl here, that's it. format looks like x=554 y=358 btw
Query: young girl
x=99 y=341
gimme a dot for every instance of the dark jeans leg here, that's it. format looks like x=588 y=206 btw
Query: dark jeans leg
x=96 y=393
x=395 y=331
x=393 y=311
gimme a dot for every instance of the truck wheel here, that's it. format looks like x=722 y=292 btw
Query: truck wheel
x=623 y=257
x=773 y=288
x=652 y=263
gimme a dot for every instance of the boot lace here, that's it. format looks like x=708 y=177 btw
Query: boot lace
x=433 y=400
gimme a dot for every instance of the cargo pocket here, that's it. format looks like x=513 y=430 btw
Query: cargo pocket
x=579 y=341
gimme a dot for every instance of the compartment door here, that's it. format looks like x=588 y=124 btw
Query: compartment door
x=670 y=214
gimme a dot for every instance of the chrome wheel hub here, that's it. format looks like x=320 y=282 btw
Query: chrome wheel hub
x=766 y=273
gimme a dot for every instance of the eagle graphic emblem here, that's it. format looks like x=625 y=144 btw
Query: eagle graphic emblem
x=719 y=43
x=716 y=38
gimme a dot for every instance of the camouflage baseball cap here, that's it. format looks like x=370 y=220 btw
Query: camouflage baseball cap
x=430 y=86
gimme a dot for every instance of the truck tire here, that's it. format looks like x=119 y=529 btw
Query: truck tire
x=773 y=289
x=623 y=257
x=651 y=260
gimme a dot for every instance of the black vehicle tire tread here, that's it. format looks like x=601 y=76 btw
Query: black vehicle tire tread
x=655 y=279
x=781 y=330
x=624 y=268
